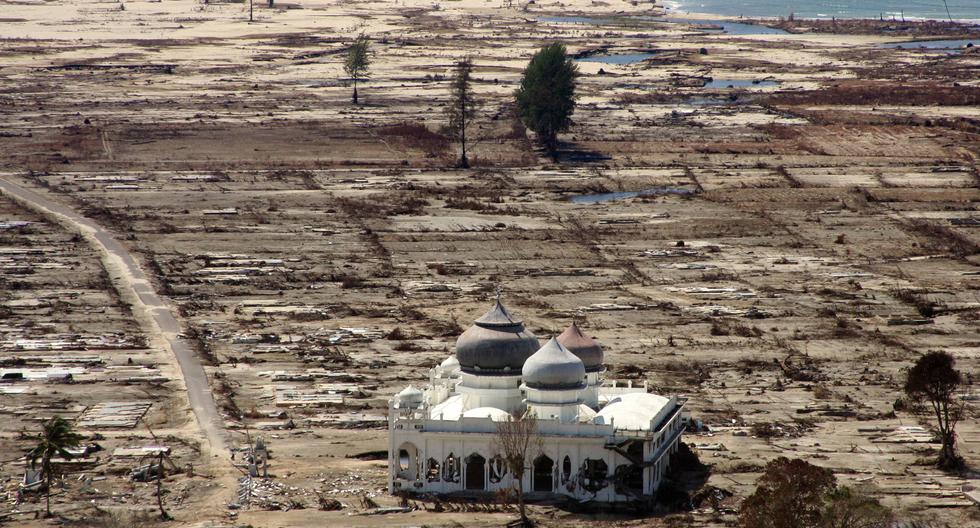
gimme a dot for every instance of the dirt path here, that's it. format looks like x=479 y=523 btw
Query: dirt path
x=155 y=316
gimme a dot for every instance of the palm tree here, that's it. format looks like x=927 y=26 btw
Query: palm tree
x=54 y=440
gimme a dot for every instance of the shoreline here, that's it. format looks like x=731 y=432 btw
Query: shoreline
x=675 y=7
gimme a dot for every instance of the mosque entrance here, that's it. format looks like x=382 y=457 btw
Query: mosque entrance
x=543 y=477
x=476 y=472
x=408 y=461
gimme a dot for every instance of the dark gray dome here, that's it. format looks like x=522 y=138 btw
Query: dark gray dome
x=496 y=344
x=554 y=368
x=582 y=346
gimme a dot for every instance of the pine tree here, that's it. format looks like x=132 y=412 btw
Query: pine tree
x=462 y=106
x=357 y=63
x=546 y=98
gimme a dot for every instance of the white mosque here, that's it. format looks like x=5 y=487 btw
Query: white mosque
x=599 y=442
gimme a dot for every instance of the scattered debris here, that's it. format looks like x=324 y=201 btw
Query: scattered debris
x=114 y=414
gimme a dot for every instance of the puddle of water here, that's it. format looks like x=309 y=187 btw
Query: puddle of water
x=575 y=20
x=707 y=101
x=738 y=83
x=626 y=58
x=613 y=196
x=729 y=27
x=949 y=46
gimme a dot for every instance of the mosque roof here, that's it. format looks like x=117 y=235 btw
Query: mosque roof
x=496 y=344
x=582 y=346
x=553 y=367
x=632 y=411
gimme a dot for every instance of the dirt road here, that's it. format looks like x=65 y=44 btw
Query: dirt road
x=154 y=314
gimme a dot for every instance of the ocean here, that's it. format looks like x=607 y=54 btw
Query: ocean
x=912 y=9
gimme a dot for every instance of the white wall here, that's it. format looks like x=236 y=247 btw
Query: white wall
x=470 y=435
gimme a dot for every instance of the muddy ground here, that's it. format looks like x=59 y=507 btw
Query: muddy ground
x=806 y=232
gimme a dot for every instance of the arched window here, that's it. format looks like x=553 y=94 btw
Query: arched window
x=408 y=461
x=432 y=470
x=566 y=469
x=498 y=469
x=543 y=475
x=450 y=468
x=593 y=475
x=476 y=472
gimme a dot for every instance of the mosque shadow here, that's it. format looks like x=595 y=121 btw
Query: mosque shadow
x=683 y=490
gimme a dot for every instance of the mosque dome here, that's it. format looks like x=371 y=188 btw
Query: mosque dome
x=553 y=367
x=409 y=397
x=582 y=346
x=449 y=368
x=496 y=344
x=450 y=363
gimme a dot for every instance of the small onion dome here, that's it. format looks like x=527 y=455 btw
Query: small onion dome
x=553 y=367
x=450 y=363
x=582 y=346
x=409 y=397
x=496 y=344
x=449 y=368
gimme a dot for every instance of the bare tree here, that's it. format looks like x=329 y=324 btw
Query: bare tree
x=462 y=106
x=849 y=508
x=517 y=440
x=164 y=516
x=934 y=378
x=161 y=473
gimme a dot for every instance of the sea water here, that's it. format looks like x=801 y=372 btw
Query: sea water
x=625 y=58
x=911 y=9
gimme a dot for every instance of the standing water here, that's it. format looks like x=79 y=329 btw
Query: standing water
x=728 y=27
x=948 y=46
x=931 y=9
x=623 y=195
x=738 y=83
x=625 y=58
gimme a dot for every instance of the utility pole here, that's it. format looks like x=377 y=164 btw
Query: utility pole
x=250 y=10
x=950 y=17
x=464 y=163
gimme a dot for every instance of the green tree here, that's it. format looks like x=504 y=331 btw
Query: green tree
x=790 y=494
x=357 y=63
x=546 y=98
x=462 y=106
x=935 y=378
x=55 y=439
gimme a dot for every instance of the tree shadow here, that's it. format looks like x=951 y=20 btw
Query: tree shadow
x=567 y=152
